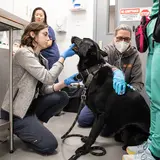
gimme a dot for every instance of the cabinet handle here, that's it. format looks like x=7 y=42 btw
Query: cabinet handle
x=26 y=10
x=100 y=43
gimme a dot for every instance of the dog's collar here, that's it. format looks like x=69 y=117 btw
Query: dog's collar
x=89 y=73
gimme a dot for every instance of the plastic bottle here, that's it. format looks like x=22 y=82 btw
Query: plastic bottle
x=4 y=41
x=76 y=3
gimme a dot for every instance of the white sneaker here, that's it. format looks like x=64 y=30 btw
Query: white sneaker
x=146 y=155
x=138 y=149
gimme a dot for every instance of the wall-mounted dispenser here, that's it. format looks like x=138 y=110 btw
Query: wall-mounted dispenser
x=78 y=5
x=61 y=24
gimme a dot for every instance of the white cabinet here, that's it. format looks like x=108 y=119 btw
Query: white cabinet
x=17 y=7
x=7 y=5
x=23 y=8
x=20 y=8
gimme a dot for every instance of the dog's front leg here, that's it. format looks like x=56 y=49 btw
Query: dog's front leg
x=94 y=133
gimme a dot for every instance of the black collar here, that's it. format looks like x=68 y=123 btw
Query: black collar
x=89 y=73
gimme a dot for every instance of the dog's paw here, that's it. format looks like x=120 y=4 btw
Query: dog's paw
x=84 y=139
x=83 y=150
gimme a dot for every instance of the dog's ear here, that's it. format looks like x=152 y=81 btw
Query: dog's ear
x=85 y=47
x=99 y=53
x=103 y=53
x=77 y=41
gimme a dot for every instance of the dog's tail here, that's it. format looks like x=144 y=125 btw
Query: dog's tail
x=132 y=134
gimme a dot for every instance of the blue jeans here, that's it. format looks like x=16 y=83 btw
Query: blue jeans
x=30 y=130
x=86 y=117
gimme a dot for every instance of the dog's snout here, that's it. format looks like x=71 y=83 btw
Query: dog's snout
x=78 y=77
x=75 y=48
x=76 y=40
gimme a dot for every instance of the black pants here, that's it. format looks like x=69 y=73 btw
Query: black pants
x=30 y=129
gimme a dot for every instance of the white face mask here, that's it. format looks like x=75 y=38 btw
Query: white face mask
x=121 y=46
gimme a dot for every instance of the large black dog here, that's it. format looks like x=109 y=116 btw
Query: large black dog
x=127 y=116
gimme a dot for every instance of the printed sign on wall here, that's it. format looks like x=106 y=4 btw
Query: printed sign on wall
x=134 y=14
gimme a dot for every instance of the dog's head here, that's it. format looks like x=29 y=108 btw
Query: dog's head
x=89 y=52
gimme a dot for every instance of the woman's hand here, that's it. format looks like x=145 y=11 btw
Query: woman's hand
x=71 y=79
x=69 y=52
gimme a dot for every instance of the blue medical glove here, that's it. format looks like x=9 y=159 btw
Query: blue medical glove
x=69 y=52
x=119 y=83
x=71 y=79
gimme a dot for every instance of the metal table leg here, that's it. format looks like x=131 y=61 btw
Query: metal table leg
x=11 y=89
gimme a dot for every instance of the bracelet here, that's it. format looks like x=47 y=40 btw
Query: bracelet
x=60 y=63
x=114 y=68
x=62 y=57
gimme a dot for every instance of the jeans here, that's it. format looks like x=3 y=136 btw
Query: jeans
x=30 y=130
x=86 y=117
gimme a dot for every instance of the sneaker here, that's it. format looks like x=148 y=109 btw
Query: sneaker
x=146 y=155
x=138 y=149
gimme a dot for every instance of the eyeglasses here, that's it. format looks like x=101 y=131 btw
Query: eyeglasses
x=126 y=39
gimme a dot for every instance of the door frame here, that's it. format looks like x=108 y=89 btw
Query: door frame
x=95 y=8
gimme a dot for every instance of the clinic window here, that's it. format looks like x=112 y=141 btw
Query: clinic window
x=111 y=16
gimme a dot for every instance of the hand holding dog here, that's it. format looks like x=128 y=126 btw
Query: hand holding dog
x=69 y=52
x=71 y=79
x=119 y=83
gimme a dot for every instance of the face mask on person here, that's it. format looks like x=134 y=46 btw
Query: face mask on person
x=121 y=46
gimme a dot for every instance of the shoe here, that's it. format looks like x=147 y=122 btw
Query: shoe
x=146 y=155
x=138 y=149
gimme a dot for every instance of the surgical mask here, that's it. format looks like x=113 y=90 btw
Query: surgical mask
x=121 y=46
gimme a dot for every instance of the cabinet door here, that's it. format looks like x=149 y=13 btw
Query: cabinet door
x=7 y=5
x=25 y=8
x=31 y=5
x=20 y=9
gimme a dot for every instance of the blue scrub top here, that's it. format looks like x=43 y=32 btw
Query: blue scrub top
x=51 y=53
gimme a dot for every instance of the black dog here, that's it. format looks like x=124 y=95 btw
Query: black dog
x=127 y=116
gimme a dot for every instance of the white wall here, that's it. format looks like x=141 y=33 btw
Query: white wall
x=78 y=24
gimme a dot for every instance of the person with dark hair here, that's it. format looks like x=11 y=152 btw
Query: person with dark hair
x=35 y=96
x=51 y=53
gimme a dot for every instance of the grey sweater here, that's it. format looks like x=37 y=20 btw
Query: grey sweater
x=27 y=71
x=129 y=62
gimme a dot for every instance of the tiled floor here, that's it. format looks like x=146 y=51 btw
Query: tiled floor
x=59 y=125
